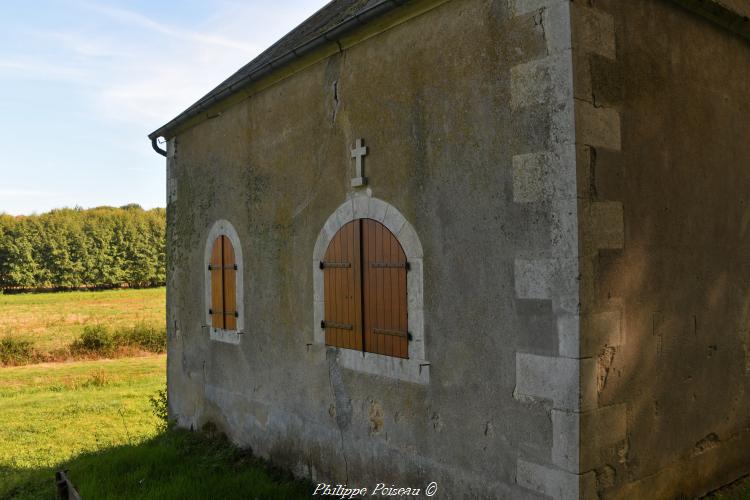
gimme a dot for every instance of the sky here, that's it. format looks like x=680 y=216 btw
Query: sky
x=82 y=83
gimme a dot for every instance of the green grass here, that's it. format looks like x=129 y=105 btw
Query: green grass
x=51 y=412
x=52 y=321
x=95 y=419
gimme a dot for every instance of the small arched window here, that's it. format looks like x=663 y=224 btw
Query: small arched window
x=365 y=288
x=223 y=271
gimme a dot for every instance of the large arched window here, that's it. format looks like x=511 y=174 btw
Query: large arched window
x=367 y=290
x=364 y=275
x=223 y=283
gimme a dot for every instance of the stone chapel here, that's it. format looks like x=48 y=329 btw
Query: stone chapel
x=498 y=245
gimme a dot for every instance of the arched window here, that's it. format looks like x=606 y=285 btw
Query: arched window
x=368 y=298
x=223 y=269
x=223 y=284
x=365 y=290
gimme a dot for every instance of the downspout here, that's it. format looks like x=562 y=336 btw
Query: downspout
x=156 y=147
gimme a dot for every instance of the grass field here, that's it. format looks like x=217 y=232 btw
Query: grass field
x=94 y=418
x=54 y=320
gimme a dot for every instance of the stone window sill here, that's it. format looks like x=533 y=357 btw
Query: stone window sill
x=226 y=336
x=409 y=370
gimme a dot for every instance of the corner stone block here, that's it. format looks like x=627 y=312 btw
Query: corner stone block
x=554 y=483
x=556 y=20
x=551 y=378
x=607 y=225
x=530 y=178
x=566 y=437
x=602 y=428
x=534 y=278
x=530 y=84
x=521 y=7
x=569 y=335
x=598 y=127
x=600 y=329
x=593 y=31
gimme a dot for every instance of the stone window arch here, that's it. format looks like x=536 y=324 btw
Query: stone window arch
x=224 y=304
x=415 y=368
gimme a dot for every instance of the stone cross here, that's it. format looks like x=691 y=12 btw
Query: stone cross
x=358 y=153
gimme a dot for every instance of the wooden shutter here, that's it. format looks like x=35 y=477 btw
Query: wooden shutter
x=342 y=282
x=384 y=283
x=364 y=279
x=217 y=284
x=230 y=286
x=223 y=285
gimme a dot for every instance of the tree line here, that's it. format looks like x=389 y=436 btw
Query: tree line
x=69 y=248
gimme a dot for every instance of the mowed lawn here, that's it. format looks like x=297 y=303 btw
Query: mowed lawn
x=52 y=412
x=54 y=320
x=94 y=418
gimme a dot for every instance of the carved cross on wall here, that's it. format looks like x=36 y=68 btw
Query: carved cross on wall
x=358 y=153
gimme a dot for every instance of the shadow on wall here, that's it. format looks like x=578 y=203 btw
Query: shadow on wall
x=683 y=363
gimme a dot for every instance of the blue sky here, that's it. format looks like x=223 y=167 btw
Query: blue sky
x=83 y=82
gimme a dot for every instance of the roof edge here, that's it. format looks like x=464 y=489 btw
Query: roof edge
x=729 y=14
x=333 y=34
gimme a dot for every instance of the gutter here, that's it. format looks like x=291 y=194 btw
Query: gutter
x=333 y=34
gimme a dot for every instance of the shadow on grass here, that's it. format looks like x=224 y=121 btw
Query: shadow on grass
x=175 y=464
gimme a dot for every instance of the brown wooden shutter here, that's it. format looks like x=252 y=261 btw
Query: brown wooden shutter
x=384 y=284
x=223 y=269
x=364 y=279
x=343 y=289
x=230 y=286
x=217 y=284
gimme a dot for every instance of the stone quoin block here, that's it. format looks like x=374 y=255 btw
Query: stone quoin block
x=534 y=278
x=598 y=127
x=551 y=378
x=531 y=182
x=594 y=31
x=606 y=224
x=552 y=482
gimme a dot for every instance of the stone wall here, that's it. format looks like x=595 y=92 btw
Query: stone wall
x=662 y=104
x=467 y=110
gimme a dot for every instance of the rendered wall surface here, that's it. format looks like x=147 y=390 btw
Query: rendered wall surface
x=467 y=111
x=663 y=156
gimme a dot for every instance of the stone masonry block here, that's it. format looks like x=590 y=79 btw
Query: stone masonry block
x=569 y=335
x=600 y=329
x=556 y=20
x=534 y=278
x=531 y=178
x=361 y=206
x=566 y=436
x=607 y=225
x=593 y=31
x=552 y=378
x=541 y=81
x=598 y=127
x=601 y=428
x=520 y=7
x=554 y=483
